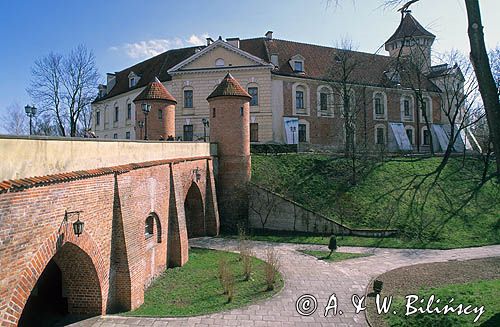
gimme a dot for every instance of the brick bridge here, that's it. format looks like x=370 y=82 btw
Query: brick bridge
x=140 y=203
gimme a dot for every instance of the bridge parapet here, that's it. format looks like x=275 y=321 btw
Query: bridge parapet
x=39 y=156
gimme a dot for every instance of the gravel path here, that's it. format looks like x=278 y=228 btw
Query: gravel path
x=304 y=274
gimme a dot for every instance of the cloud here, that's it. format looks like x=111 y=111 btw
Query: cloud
x=150 y=48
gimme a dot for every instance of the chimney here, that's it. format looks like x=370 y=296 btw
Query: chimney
x=209 y=41
x=269 y=35
x=111 y=81
x=234 y=41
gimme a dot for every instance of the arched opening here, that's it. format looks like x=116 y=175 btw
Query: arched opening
x=68 y=290
x=195 y=217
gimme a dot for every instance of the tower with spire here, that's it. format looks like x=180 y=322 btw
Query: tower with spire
x=229 y=107
x=411 y=41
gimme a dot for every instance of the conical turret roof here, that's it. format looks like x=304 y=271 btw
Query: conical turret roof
x=155 y=91
x=229 y=87
x=409 y=28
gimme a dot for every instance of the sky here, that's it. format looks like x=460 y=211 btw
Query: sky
x=122 y=33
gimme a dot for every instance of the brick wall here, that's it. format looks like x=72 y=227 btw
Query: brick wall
x=113 y=253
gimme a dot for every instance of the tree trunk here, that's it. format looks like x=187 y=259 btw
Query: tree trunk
x=487 y=87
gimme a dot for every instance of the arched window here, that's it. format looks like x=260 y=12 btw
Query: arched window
x=219 y=62
x=300 y=99
x=379 y=105
x=149 y=227
x=410 y=133
x=426 y=136
x=325 y=101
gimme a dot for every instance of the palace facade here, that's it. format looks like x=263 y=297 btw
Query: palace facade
x=298 y=92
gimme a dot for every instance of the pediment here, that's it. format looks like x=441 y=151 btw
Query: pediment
x=214 y=55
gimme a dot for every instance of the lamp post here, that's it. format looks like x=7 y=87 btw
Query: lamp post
x=146 y=108
x=293 y=129
x=206 y=124
x=140 y=123
x=31 y=112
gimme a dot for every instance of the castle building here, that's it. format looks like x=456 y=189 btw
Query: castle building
x=300 y=93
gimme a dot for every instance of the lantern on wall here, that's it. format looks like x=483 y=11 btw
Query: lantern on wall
x=78 y=224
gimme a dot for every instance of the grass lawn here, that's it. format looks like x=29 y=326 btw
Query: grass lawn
x=336 y=256
x=194 y=289
x=378 y=199
x=476 y=294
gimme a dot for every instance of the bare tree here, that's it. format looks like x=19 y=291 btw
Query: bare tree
x=14 y=121
x=495 y=65
x=64 y=86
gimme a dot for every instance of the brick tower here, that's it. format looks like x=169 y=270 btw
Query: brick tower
x=160 y=122
x=230 y=129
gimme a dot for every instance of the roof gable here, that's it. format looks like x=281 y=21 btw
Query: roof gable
x=409 y=27
x=205 y=59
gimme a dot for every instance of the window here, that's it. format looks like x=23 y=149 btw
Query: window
x=254 y=92
x=160 y=114
x=188 y=98
x=132 y=82
x=380 y=135
x=406 y=106
x=98 y=118
x=115 y=136
x=254 y=132
x=302 y=133
x=188 y=132
x=117 y=111
x=213 y=112
x=129 y=111
x=298 y=66
x=426 y=139
x=149 y=227
x=409 y=134
x=127 y=135
x=299 y=100
x=219 y=62
x=241 y=111
x=323 y=101
x=427 y=109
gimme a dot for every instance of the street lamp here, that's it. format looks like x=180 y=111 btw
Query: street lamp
x=206 y=124
x=77 y=225
x=146 y=108
x=140 y=123
x=293 y=129
x=31 y=112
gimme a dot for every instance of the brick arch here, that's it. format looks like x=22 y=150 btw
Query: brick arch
x=195 y=212
x=30 y=275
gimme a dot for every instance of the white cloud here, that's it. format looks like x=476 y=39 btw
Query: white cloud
x=150 y=48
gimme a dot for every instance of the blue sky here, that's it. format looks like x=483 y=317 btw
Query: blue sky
x=122 y=33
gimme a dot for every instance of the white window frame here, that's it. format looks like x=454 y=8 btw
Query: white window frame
x=383 y=97
x=428 y=101
x=299 y=59
x=219 y=62
x=308 y=130
x=329 y=112
x=187 y=88
x=411 y=100
x=409 y=127
x=255 y=85
x=307 y=108
x=422 y=139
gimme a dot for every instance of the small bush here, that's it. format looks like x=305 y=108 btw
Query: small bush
x=247 y=264
x=271 y=268
x=226 y=279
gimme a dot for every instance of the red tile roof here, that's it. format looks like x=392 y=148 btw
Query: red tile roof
x=229 y=87
x=155 y=91
x=24 y=183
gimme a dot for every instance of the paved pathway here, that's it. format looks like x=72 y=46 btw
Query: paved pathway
x=306 y=275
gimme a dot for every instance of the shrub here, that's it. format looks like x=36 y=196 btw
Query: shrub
x=271 y=268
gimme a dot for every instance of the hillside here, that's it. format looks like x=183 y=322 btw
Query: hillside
x=436 y=211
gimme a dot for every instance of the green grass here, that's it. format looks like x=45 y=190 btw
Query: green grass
x=425 y=220
x=336 y=256
x=474 y=294
x=194 y=289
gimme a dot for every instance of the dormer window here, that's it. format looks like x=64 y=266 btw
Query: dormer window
x=297 y=63
x=298 y=66
x=133 y=79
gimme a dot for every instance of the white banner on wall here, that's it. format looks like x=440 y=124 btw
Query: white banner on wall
x=291 y=130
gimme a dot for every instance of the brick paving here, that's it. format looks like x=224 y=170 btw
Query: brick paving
x=306 y=275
